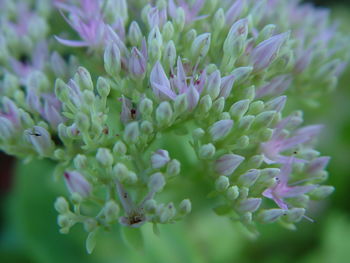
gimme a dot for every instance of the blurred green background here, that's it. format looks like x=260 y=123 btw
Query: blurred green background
x=29 y=233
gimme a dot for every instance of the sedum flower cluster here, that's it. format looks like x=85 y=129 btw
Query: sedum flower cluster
x=141 y=103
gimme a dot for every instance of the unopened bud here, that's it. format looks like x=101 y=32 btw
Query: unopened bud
x=111 y=211
x=164 y=113
x=135 y=34
x=214 y=84
x=83 y=79
x=132 y=132
x=222 y=183
x=146 y=107
x=80 y=162
x=147 y=127
x=61 y=205
x=173 y=168
x=159 y=159
x=200 y=45
x=104 y=157
x=207 y=151
x=185 y=207
x=248 y=205
x=228 y=163
x=156 y=182
x=271 y=215
x=249 y=178
x=322 y=192
x=112 y=60
x=119 y=148
x=103 y=87
x=232 y=193
x=219 y=130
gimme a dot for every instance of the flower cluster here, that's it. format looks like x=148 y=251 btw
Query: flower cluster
x=203 y=81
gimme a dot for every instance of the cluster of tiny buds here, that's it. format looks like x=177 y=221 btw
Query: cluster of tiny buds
x=205 y=82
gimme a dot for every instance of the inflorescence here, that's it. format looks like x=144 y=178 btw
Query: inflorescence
x=104 y=87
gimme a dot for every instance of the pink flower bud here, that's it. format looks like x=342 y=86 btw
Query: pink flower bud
x=228 y=163
x=160 y=158
x=77 y=183
x=266 y=52
x=137 y=64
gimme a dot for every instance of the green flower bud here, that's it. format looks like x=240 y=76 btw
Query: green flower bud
x=222 y=183
x=103 y=87
x=218 y=105
x=83 y=79
x=243 y=142
x=135 y=34
x=256 y=107
x=168 y=31
x=238 y=109
x=146 y=107
x=232 y=193
x=214 y=84
x=59 y=154
x=156 y=182
x=190 y=36
x=242 y=74
x=155 y=35
x=249 y=178
x=111 y=211
x=225 y=116
x=201 y=45
x=181 y=104
x=164 y=114
x=294 y=215
x=170 y=54
x=61 y=90
x=76 y=198
x=119 y=148
x=185 y=207
x=104 y=157
x=207 y=151
x=179 y=20
x=173 y=167
x=120 y=171
x=249 y=93
x=167 y=213
x=82 y=122
x=198 y=133
x=248 y=205
x=322 y=192
x=132 y=132
x=266 y=33
x=271 y=215
x=112 y=60
x=147 y=127
x=264 y=119
x=151 y=206
x=64 y=221
x=88 y=97
x=205 y=104
x=61 y=205
x=266 y=134
x=219 y=19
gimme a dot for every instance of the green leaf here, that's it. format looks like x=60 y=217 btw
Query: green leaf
x=133 y=237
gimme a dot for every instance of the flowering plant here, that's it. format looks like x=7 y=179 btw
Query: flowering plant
x=134 y=100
